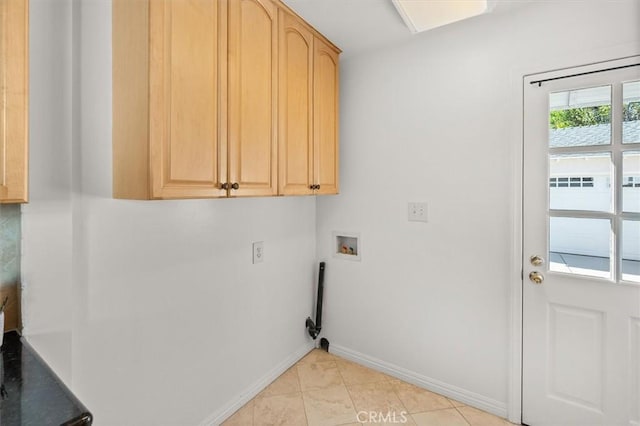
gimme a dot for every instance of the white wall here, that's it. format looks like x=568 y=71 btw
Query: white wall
x=46 y=219
x=437 y=120
x=151 y=311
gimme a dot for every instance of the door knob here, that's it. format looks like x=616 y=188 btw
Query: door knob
x=536 y=277
x=224 y=186
x=536 y=260
x=235 y=185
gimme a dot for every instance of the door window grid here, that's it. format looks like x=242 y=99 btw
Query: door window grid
x=617 y=130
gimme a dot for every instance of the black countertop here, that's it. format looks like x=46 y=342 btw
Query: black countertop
x=31 y=393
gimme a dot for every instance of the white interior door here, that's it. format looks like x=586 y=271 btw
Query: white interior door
x=581 y=265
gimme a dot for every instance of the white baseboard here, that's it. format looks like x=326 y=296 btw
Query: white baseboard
x=254 y=389
x=467 y=397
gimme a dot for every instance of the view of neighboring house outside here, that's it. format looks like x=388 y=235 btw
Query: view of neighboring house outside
x=583 y=181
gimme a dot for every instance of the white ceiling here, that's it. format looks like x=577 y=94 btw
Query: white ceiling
x=360 y=25
x=354 y=25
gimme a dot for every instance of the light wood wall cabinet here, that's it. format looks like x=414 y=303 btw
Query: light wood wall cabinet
x=14 y=96
x=325 y=118
x=169 y=91
x=197 y=110
x=253 y=70
x=296 y=109
x=308 y=138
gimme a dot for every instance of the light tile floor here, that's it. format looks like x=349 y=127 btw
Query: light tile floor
x=325 y=390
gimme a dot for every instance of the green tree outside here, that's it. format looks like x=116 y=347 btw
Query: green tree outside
x=591 y=116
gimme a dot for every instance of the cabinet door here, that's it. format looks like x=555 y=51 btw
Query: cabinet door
x=187 y=94
x=253 y=69
x=325 y=123
x=295 y=107
x=13 y=100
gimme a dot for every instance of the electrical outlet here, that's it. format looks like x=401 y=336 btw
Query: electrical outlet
x=418 y=212
x=258 y=252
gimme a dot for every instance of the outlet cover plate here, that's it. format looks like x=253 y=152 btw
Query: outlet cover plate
x=258 y=252
x=418 y=212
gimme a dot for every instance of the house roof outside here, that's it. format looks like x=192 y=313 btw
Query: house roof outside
x=599 y=134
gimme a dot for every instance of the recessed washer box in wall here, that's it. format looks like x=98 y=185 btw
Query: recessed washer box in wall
x=346 y=245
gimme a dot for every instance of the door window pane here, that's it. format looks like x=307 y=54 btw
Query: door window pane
x=631 y=112
x=580 y=117
x=631 y=181
x=580 y=246
x=631 y=251
x=580 y=182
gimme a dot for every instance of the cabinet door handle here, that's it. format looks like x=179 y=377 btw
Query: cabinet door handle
x=312 y=187
x=235 y=185
x=318 y=186
x=225 y=186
